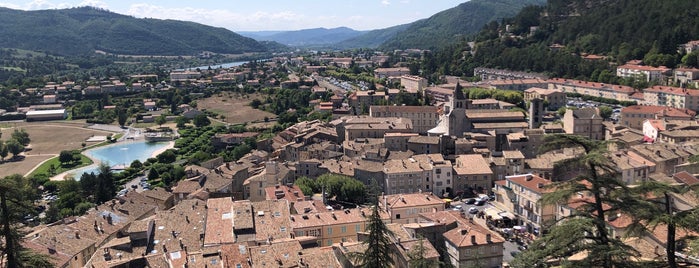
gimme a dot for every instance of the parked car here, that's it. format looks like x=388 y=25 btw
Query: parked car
x=514 y=253
x=134 y=186
x=470 y=201
x=459 y=207
x=472 y=210
x=480 y=202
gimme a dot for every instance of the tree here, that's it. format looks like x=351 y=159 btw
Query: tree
x=15 y=202
x=586 y=230
x=662 y=211
x=106 y=188
x=122 y=116
x=3 y=151
x=65 y=157
x=21 y=136
x=167 y=157
x=379 y=247
x=201 y=120
x=160 y=120
x=14 y=147
x=605 y=112
x=181 y=121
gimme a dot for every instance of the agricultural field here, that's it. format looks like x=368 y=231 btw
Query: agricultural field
x=47 y=140
x=235 y=107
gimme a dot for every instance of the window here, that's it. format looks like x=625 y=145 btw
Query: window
x=330 y=230
x=357 y=228
x=282 y=229
x=343 y=229
x=397 y=216
x=330 y=242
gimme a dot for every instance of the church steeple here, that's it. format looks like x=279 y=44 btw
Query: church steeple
x=459 y=92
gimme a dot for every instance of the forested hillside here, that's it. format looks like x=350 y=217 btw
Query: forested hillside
x=619 y=31
x=453 y=25
x=83 y=30
x=309 y=37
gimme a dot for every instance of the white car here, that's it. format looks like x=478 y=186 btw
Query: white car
x=472 y=210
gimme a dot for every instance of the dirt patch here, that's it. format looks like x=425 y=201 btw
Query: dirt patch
x=21 y=167
x=52 y=138
x=235 y=107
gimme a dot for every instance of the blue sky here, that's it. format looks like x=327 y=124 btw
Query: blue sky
x=255 y=15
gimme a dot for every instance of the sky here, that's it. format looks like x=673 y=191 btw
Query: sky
x=262 y=15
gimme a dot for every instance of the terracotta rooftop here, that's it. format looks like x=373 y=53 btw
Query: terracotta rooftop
x=686 y=178
x=672 y=90
x=283 y=253
x=272 y=219
x=469 y=164
x=219 y=221
x=320 y=219
x=533 y=183
x=595 y=85
x=413 y=200
x=291 y=194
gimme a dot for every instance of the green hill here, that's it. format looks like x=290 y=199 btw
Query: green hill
x=371 y=39
x=85 y=29
x=452 y=25
x=620 y=30
x=307 y=37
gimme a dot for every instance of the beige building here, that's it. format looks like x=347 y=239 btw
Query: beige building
x=442 y=173
x=375 y=127
x=406 y=176
x=633 y=116
x=646 y=73
x=686 y=76
x=423 y=118
x=466 y=243
x=554 y=97
x=362 y=100
x=585 y=122
x=405 y=208
x=273 y=174
x=331 y=227
x=397 y=141
x=472 y=172
x=520 y=195
x=391 y=72
x=413 y=84
x=615 y=92
x=672 y=97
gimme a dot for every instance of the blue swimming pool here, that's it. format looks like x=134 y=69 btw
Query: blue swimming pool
x=119 y=154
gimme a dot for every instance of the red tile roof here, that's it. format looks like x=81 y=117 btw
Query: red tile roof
x=672 y=90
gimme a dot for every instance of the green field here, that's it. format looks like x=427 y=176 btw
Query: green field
x=58 y=168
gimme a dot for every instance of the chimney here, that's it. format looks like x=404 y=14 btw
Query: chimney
x=473 y=239
x=464 y=231
x=528 y=177
x=488 y=238
x=77 y=234
x=540 y=185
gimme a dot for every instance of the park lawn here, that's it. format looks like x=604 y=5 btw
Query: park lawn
x=44 y=168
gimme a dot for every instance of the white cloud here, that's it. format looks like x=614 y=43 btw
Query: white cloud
x=10 y=5
x=45 y=4
x=385 y=2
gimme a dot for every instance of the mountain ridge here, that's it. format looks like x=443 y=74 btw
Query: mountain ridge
x=86 y=29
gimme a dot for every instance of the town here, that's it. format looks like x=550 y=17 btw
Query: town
x=456 y=175
x=335 y=158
